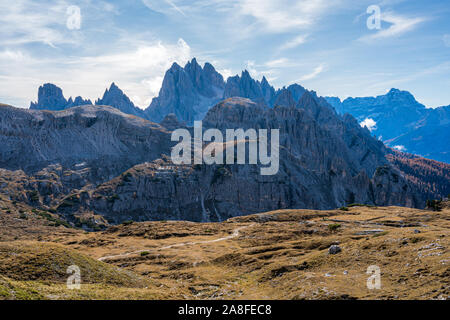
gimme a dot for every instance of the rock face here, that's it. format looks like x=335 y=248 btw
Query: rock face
x=402 y=122
x=115 y=97
x=50 y=97
x=246 y=87
x=262 y=92
x=322 y=165
x=97 y=159
x=170 y=122
x=187 y=92
x=32 y=139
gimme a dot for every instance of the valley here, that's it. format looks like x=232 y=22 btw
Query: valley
x=283 y=254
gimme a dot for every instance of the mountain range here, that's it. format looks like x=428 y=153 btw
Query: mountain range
x=107 y=163
x=402 y=122
x=189 y=92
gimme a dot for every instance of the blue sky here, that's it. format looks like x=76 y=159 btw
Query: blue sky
x=324 y=45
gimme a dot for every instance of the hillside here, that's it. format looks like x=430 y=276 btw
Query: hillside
x=282 y=254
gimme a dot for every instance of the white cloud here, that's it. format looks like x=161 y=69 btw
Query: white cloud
x=369 y=123
x=164 y=6
x=24 y=21
x=138 y=72
x=226 y=73
x=294 y=42
x=400 y=148
x=281 y=62
x=319 y=69
x=284 y=15
x=399 y=25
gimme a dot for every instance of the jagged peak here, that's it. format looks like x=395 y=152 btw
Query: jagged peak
x=246 y=74
x=175 y=67
x=193 y=62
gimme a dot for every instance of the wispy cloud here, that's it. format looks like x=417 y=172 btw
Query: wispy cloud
x=317 y=70
x=163 y=6
x=281 y=62
x=293 y=43
x=398 y=26
x=24 y=21
x=284 y=15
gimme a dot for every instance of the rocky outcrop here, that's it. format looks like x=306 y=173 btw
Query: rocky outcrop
x=50 y=97
x=187 y=92
x=170 y=122
x=33 y=139
x=284 y=99
x=115 y=97
x=320 y=167
x=244 y=86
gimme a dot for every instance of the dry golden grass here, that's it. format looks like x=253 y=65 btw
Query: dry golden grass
x=276 y=255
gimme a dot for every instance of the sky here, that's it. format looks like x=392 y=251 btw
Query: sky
x=336 y=47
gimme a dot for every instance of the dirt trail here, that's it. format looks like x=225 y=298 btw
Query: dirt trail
x=235 y=234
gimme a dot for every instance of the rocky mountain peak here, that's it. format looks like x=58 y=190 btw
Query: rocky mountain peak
x=50 y=97
x=187 y=92
x=244 y=86
x=284 y=98
x=115 y=97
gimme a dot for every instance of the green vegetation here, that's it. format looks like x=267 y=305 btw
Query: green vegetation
x=113 y=198
x=70 y=201
x=334 y=227
x=376 y=235
x=56 y=222
x=416 y=239
x=144 y=253
x=435 y=205
x=343 y=208
x=34 y=196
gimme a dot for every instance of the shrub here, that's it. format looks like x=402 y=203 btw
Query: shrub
x=144 y=253
x=127 y=223
x=435 y=205
x=343 y=208
x=34 y=196
x=334 y=226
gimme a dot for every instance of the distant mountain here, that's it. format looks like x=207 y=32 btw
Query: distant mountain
x=50 y=97
x=116 y=98
x=262 y=92
x=402 y=122
x=187 y=92
x=430 y=136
